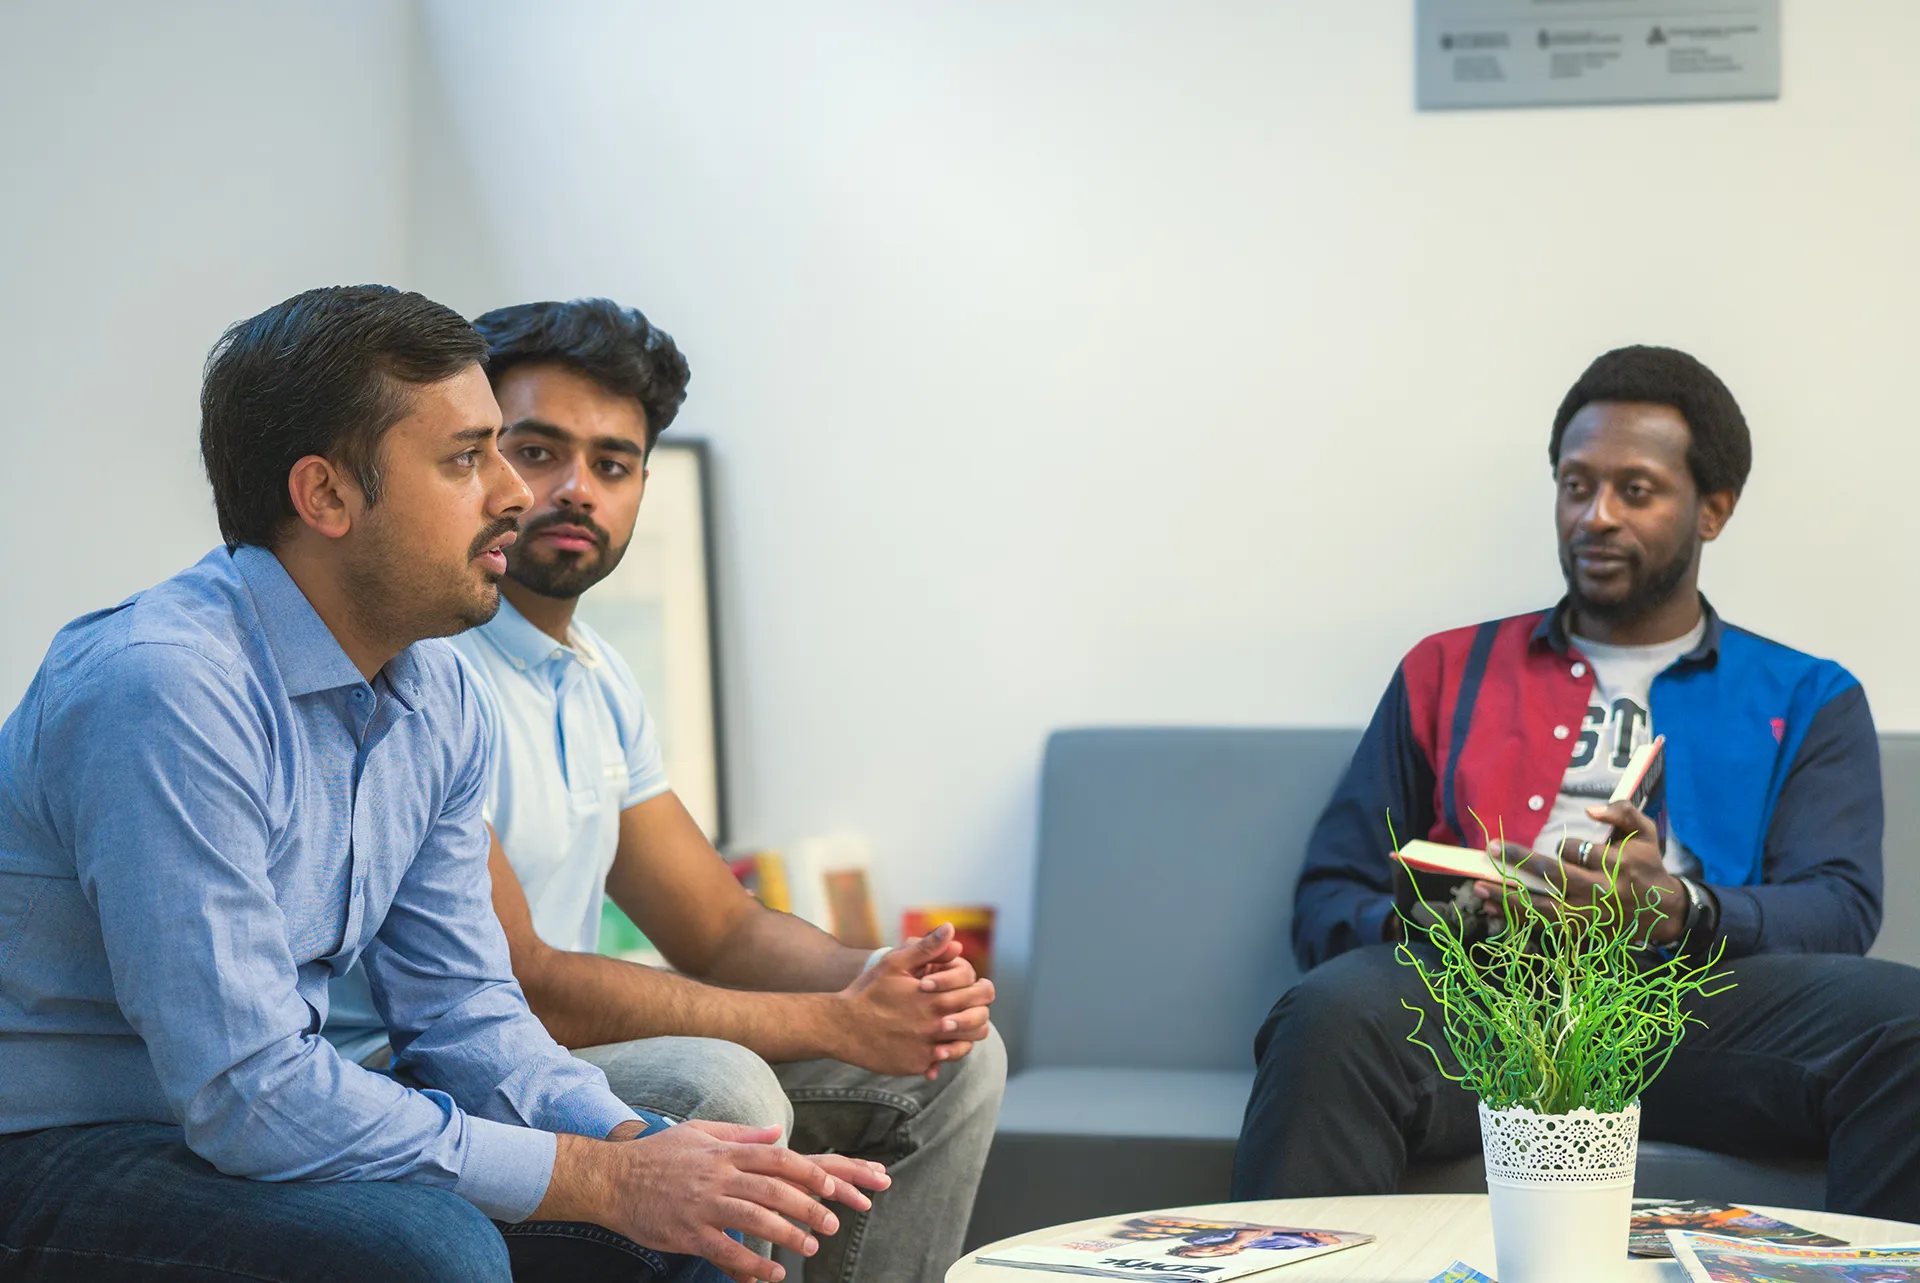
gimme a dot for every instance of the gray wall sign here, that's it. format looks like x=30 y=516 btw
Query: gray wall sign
x=1537 y=53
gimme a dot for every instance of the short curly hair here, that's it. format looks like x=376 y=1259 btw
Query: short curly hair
x=616 y=347
x=1721 y=451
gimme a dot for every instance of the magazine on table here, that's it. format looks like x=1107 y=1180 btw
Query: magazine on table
x=1708 y=1258
x=1653 y=1217
x=1460 y=1272
x=1175 y=1249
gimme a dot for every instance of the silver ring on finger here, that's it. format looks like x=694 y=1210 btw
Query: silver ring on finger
x=1586 y=852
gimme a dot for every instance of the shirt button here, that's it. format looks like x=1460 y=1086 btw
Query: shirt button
x=1579 y=670
x=1535 y=802
x=1561 y=732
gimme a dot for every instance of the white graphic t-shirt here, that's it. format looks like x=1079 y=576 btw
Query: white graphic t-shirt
x=1619 y=720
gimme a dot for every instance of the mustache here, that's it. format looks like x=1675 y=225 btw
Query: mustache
x=547 y=521
x=1608 y=546
x=491 y=533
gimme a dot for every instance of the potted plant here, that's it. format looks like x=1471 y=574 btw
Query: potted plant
x=1558 y=1019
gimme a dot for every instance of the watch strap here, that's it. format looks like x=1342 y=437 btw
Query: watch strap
x=1701 y=918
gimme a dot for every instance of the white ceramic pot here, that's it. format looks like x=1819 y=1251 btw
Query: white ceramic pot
x=1561 y=1187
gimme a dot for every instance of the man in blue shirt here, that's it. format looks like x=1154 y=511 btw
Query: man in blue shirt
x=885 y=1056
x=229 y=789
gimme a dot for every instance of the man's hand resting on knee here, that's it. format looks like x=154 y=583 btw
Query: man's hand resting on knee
x=918 y=1007
x=681 y=1190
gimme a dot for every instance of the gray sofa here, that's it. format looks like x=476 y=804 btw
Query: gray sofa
x=1165 y=874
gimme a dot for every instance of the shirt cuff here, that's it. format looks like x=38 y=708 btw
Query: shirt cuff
x=1741 y=921
x=507 y=1168
x=590 y=1109
x=1373 y=921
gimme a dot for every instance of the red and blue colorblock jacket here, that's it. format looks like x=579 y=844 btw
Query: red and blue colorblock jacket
x=1772 y=780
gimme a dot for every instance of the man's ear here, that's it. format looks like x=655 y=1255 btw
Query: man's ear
x=324 y=497
x=1716 y=509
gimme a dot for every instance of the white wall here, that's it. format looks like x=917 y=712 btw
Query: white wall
x=165 y=169
x=1066 y=362
x=1111 y=362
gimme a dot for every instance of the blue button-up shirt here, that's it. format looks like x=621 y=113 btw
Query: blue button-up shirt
x=572 y=747
x=206 y=813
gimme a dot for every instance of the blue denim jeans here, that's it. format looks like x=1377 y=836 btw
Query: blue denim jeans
x=127 y=1202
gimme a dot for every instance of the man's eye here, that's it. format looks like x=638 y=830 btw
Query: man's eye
x=613 y=468
x=535 y=453
x=467 y=459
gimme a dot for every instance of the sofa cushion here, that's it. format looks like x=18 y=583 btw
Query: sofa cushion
x=1187 y=1104
x=1064 y=1105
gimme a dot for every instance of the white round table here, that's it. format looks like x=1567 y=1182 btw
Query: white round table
x=1415 y=1237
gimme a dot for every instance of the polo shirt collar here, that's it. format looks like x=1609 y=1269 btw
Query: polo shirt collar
x=1551 y=632
x=525 y=646
x=304 y=649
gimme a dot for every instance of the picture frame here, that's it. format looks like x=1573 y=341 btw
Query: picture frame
x=658 y=610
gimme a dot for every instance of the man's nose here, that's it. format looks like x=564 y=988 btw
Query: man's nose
x=510 y=495
x=575 y=489
x=1602 y=511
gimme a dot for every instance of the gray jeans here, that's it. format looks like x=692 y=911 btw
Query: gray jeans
x=933 y=1137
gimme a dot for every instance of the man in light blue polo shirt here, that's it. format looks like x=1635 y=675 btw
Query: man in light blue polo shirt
x=223 y=792
x=887 y=1056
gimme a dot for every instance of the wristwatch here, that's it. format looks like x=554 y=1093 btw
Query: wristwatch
x=1703 y=915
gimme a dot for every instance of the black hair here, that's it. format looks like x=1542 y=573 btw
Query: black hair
x=1720 y=452
x=320 y=374
x=617 y=347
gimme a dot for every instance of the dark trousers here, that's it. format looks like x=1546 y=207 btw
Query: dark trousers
x=127 y=1202
x=1807 y=1055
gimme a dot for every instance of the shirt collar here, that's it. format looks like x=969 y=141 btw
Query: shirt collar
x=525 y=646
x=304 y=649
x=1551 y=632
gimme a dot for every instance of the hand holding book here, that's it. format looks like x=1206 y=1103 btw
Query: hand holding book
x=1577 y=870
x=1630 y=860
x=1582 y=870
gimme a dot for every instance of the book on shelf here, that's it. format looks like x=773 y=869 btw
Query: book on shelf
x=830 y=881
x=764 y=875
x=1175 y=1248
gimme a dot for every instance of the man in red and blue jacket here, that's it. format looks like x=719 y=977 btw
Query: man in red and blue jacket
x=1515 y=731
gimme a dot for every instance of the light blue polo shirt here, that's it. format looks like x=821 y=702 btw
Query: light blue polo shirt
x=573 y=747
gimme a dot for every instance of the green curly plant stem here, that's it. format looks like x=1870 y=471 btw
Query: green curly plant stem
x=1560 y=1010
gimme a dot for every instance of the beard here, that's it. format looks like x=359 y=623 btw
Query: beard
x=398 y=595
x=557 y=574
x=1648 y=587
